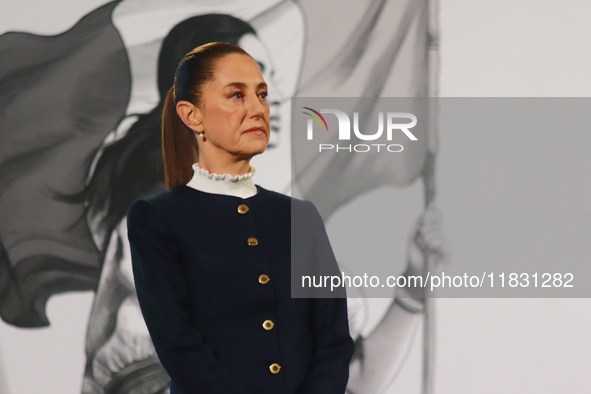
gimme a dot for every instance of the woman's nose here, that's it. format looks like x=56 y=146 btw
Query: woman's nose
x=256 y=106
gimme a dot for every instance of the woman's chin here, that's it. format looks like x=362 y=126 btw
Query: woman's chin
x=252 y=151
x=258 y=147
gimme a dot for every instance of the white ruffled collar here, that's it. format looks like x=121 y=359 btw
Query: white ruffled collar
x=223 y=177
x=232 y=185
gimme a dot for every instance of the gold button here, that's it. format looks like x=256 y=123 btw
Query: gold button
x=242 y=209
x=264 y=279
x=274 y=368
x=252 y=241
x=268 y=325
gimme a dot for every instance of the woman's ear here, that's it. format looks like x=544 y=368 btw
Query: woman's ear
x=190 y=115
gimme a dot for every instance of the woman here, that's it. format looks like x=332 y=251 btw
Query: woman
x=120 y=355
x=212 y=255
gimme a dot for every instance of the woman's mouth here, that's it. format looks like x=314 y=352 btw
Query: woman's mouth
x=255 y=130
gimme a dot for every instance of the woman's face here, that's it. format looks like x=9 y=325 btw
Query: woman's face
x=234 y=110
x=251 y=44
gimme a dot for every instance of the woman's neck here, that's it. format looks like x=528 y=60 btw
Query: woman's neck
x=238 y=167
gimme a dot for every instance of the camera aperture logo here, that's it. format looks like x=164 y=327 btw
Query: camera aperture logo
x=395 y=122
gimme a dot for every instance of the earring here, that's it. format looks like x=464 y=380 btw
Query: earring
x=201 y=134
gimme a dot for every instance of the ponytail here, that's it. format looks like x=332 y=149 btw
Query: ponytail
x=179 y=145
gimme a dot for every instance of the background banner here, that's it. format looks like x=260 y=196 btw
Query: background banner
x=80 y=94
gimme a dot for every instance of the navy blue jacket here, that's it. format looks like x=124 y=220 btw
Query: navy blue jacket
x=212 y=274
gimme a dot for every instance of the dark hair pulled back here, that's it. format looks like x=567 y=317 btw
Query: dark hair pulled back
x=132 y=166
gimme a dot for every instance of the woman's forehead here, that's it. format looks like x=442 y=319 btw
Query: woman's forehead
x=237 y=69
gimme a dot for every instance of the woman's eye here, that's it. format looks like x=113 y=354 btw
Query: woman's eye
x=263 y=95
x=238 y=95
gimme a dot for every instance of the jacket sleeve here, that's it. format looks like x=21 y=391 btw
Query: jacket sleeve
x=328 y=372
x=164 y=301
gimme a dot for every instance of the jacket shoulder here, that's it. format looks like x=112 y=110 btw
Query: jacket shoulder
x=163 y=202
x=286 y=200
x=300 y=212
